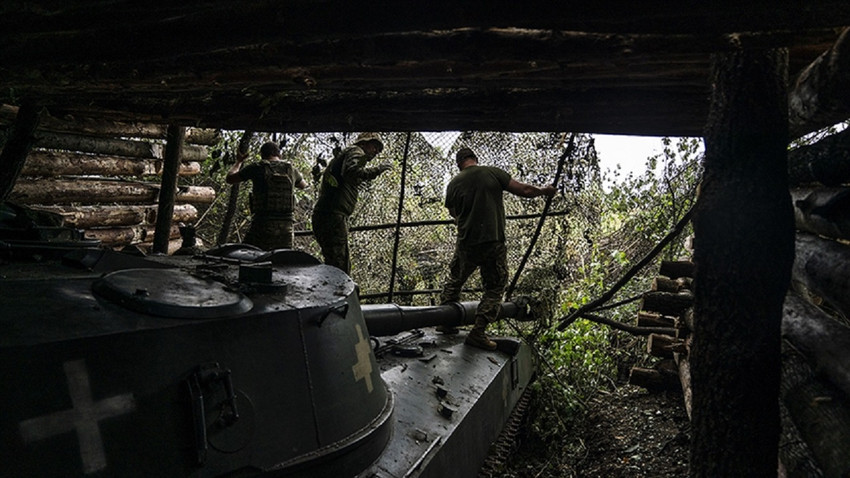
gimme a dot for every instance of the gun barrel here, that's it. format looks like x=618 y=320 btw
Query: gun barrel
x=391 y=319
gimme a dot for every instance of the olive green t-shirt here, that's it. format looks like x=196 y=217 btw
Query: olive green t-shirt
x=475 y=195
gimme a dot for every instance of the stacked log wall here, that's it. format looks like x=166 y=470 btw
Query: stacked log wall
x=815 y=393
x=669 y=302
x=102 y=177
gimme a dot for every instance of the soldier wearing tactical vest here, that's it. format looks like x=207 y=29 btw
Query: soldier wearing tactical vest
x=271 y=201
x=341 y=179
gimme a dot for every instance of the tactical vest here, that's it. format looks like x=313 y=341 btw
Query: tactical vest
x=276 y=197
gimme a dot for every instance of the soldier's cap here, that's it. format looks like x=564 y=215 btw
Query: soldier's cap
x=464 y=153
x=364 y=137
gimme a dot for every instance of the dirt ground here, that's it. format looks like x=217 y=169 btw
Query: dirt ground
x=629 y=432
x=635 y=433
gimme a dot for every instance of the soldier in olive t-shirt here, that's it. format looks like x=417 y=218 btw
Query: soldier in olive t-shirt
x=474 y=199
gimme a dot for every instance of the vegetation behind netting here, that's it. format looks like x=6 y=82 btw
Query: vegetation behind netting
x=598 y=226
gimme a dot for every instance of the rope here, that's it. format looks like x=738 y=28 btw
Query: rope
x=567 y=153
x=398 y=217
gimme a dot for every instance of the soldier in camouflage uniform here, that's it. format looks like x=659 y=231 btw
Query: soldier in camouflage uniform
x=338 y=196
x=474 y=199
x=271 y=201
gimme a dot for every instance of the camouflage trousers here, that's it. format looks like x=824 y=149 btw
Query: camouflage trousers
x=270 y=233
x=331 y=232
x=491 y=259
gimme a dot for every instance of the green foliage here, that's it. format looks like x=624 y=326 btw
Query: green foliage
x=579 y=355
x=609 y=231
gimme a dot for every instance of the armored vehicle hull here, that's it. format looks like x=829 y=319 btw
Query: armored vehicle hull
x=237 y=362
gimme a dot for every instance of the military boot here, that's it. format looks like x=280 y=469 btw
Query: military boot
x=476 y=336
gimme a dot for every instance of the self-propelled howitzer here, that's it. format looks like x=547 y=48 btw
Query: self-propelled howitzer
x=236 y=362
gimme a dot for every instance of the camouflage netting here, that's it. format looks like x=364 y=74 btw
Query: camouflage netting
x=419 y=240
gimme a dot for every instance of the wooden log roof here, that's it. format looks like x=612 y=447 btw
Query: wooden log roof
x=339 y=65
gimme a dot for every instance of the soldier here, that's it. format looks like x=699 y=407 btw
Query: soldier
x=271 y=197
x=474 y=199
x=338 y=196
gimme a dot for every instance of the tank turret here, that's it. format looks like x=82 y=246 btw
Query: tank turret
x=236 y=362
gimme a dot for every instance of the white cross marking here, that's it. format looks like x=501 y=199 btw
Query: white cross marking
x=82 y=417
x=363 y=367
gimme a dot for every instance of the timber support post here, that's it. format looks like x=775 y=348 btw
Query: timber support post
x=173 y=146
x=744 y=249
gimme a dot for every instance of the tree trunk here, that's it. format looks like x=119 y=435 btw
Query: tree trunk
x=112 y=146
x=651 y=319
x=125 y=236
x=195 y=194
x=114 y=236
x=185 y=213
x=821 y=339
x=60 y=163
x=823 y=266
x=107 y=128
x=744 y=246
x=819 y=412
x=819 y=97
x=796 y=458
x=665 y=284
x=85 y=217
x=173 y=246
x=94 y=191
x=168 y=188
x=826 y=162
x=205 y=136
x=662 y=345
x=667 y=303
x=824 y=211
